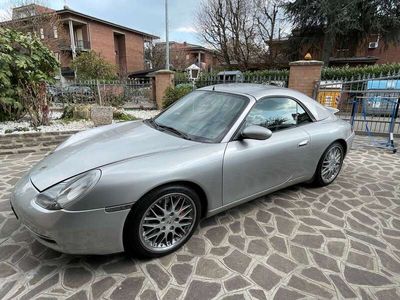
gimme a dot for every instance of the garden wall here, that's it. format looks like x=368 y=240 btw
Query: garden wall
x=32 y=142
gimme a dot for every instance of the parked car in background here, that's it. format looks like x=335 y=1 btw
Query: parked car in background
x=382 y=97
x=143 y=186
x=71 y=94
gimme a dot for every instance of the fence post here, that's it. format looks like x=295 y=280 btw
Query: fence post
x=304 y=74
x=163 y=80
x=98 y=91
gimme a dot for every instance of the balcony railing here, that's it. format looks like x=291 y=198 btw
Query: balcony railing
x=82 y=45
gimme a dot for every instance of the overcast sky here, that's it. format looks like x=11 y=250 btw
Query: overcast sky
x=144 y=15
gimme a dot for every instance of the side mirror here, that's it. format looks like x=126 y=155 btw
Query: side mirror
x=256 y=132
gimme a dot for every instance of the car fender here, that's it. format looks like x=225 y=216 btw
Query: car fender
x=133 y=178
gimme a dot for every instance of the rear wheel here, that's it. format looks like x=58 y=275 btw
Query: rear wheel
x=162 y=221
x=329 y=165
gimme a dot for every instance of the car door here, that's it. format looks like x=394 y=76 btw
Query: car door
x=252 y=167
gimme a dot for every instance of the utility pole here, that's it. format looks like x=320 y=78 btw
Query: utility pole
x=166 y=37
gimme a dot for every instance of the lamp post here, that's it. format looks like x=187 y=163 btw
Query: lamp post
x=166 y=37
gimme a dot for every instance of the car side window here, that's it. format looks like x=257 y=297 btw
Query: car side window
x=277 y=114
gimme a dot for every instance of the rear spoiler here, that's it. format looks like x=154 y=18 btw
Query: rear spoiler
x=333 y=110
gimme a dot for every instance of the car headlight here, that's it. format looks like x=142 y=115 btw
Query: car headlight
x=67 y=192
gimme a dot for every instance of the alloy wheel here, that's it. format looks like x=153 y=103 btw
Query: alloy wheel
x=167 y=222
x=331 y=164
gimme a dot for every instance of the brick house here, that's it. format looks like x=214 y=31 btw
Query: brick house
x=370 y=51
x=182 y=55
x=77 y=32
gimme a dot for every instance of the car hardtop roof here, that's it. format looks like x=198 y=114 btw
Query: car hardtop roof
x=259 y=91
x=253 y=89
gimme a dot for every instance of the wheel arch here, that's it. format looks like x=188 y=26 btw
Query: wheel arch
x=344 y=145
x=196 y=187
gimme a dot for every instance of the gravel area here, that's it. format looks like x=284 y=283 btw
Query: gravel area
x=142 y=114
x=62 y=125
x=55 y=125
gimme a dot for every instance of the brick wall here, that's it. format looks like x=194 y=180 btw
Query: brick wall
x=102 y=41
x=32 y=142
x=134 y=52
x=387 y=54
x=163 y=79
x=304 y=74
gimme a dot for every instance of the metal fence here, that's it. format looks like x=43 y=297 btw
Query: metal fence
x=371 y=105
x=131 y=93
x=211 y=79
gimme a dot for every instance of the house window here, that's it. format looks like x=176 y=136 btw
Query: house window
x=55 y=32
x=41 y=33
x=57 y=56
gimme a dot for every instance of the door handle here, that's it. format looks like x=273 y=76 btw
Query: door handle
x=303 y=143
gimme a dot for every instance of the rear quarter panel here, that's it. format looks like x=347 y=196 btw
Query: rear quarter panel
x=322 y=134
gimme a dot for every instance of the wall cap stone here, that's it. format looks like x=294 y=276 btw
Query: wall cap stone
x=306 y=63
x=164 y=72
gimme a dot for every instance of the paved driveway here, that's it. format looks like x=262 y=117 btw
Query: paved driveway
x=342 y=241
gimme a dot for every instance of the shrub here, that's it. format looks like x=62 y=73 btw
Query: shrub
x=68 y=112
x=33 y=99
x=173 y=94
x=25 y=63
x=91 y=65
x=76 y=112
x=354 y=72
x=122 y=116
x=110 y=98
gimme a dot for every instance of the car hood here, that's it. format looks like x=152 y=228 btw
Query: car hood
x=101 y=146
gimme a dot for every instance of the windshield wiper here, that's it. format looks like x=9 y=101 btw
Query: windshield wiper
x=170 y=129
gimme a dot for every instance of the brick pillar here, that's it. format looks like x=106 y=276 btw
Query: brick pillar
x=163 y=79
x=304 y=74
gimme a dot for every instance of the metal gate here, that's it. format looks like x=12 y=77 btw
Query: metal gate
x=370 y=105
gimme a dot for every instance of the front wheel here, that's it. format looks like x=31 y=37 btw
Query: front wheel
x=329 y=165
x=162 y=221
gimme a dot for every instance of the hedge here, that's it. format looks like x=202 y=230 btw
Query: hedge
x=361 y=72
x=328 y=73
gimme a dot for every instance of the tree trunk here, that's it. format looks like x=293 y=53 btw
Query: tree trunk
x=329 y=42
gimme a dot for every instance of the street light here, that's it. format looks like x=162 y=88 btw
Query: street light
x=166 y=37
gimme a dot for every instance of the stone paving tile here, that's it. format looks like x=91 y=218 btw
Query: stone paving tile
x=340 y=241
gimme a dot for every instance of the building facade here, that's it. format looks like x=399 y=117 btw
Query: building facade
x=183 y=55
x=68 y=33
x=372 y=50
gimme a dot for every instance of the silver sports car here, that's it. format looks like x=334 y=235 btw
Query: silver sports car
x=143 y=186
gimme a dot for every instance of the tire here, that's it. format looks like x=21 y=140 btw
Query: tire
x=321 y=177
x=159 y=223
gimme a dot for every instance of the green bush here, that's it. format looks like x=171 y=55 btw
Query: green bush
x=114 y=100
x=68 y=112
x=359 y=72
x=91 y=65
x=173 y=94
x=24 y=62
x=122 y=116
x=266 y=73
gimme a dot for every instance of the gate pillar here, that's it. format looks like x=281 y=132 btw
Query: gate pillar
x=304 y=74
x=162 y=79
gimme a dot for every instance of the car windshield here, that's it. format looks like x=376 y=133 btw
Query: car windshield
x=203 y=116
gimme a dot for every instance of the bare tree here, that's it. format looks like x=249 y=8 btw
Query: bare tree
x=33 y=17
x=155 y=53
x=229 y=26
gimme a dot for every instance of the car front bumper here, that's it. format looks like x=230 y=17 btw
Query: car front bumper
x=92 y=231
